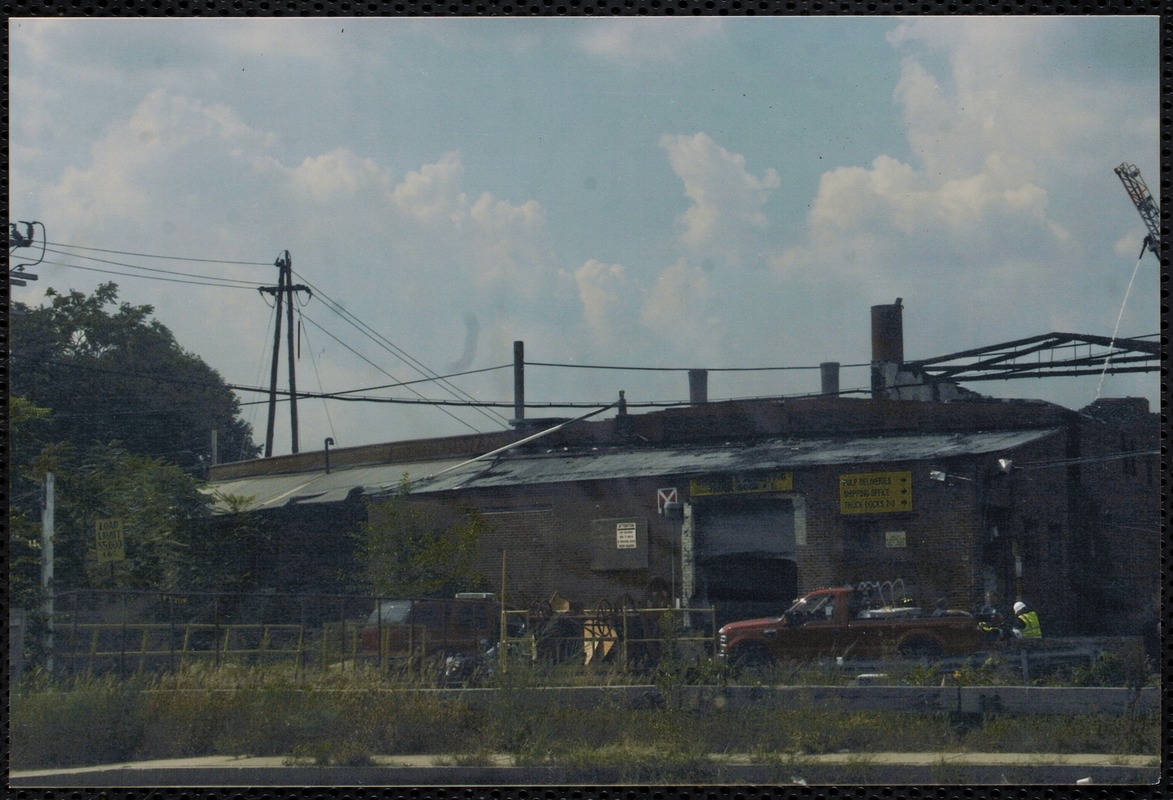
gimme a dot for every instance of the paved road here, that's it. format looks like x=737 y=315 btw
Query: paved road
x=434 y=770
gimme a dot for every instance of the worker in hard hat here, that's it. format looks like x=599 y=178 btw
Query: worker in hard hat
x=1026 y=623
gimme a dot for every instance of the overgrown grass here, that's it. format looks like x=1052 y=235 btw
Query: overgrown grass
x=646 y=735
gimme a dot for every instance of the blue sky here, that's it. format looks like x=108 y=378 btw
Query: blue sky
x=705 y=192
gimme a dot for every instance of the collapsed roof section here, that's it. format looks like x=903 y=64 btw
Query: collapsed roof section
x=591 y=463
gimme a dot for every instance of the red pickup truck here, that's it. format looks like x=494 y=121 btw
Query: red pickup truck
x=836 y=622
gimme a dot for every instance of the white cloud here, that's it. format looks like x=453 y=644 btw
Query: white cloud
x=989 y=219
x=972 y=218
x=416 y=257
x=677 y=311
x=725 y=221
x=339 y=176
x=641 y=41
x=605 y=292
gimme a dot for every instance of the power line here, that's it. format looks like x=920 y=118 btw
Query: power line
x=314 y=363
x=153 y=269
x=380 y=369
x=218 y=283
x=165 y=258
x=679 y=369
x=346 y=396
x=408 y=359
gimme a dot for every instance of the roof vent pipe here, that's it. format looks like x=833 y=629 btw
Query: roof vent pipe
x=698 y=386
x=830 y=377
x=518 y=381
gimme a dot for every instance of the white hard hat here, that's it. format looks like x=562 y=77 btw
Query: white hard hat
x=1019 y=607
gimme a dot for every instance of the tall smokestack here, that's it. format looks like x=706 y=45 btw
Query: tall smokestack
x=887 y=341
x=698 y=386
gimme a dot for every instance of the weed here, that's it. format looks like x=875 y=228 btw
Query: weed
x=346 y=718
x=91 y=720
x=1110 y=669
x=858 y=768
x=944 y=772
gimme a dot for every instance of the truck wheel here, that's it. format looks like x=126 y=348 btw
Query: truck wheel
x=752 y=656
x=920 y=648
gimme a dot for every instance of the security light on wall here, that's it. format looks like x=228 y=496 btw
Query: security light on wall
x=938 y=475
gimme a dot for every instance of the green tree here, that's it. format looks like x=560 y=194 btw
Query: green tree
x=159 y=505
x=225 y=552
x=409 y=551
x=26 y=438
x=102 y=396
x=111 y=374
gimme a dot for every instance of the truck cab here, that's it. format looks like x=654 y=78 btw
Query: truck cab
x=834 y=622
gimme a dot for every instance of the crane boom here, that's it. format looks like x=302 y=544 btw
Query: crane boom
x=1139 y=193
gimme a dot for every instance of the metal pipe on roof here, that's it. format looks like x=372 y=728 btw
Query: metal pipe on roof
x=888 y=332
x=698 y=386
x=887 y=343
x=829 y=372
x=518 y=381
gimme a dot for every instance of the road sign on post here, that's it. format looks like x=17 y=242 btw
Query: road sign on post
x=109 y=540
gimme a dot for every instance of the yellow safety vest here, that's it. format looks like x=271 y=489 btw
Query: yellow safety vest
x=1031 y=627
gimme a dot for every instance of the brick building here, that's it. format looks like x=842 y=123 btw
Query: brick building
x=775 y=497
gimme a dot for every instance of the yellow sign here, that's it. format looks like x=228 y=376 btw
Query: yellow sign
x=109 y=540
x=742 y=484
x=875 y=492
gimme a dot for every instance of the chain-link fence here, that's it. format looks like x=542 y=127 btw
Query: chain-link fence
x=126 y=631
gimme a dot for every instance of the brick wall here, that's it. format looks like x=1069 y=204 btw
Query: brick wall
x=1084 y=523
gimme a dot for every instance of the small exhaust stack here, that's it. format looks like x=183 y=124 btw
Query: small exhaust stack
x=887 y=343
x=829 y=371
x=698 y=386
x=518 y=381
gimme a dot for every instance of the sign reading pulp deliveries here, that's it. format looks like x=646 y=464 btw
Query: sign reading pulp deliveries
x=109 y=541
x=742 y=484
x=875 y=492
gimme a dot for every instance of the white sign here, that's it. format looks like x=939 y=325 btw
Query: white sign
x=665 y=496
x=625 y=535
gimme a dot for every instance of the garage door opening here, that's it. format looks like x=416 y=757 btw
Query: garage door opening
x=745 y=550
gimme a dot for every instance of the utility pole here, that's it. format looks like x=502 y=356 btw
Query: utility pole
x=285 y=286
x=287 y=266
x=17 y=275
x=48 y=509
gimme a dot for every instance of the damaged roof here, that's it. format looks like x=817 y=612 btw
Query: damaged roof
x=611 y=463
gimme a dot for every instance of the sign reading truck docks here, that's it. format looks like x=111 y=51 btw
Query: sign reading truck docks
x=875 y=493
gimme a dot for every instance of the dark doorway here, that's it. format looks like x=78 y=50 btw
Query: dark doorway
x=745 y=550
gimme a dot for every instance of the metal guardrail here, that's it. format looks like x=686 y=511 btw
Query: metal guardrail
x=94 y=645
x=127 y=630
